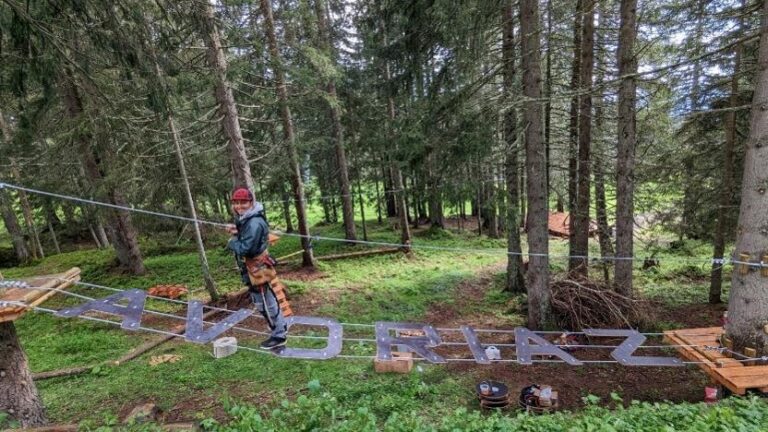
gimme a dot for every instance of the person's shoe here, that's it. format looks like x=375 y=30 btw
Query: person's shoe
x=272 y=343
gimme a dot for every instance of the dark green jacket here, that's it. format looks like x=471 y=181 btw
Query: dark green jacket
x=252 y=236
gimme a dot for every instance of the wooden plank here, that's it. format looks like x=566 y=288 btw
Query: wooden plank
x=35 y=297
x=749 y=382
x=746 y=371
x=402 y=362
x=736 y=379
x=712 y=355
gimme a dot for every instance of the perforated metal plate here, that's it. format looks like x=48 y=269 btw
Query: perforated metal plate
x=332 y=349
x=623 y=353
x=195 y=327
x=131 y=313
x=542 y=347
x=474 y=345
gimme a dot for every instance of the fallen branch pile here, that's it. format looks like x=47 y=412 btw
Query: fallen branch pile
x=586 y=304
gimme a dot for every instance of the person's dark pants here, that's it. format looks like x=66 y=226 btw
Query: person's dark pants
x=270 y=309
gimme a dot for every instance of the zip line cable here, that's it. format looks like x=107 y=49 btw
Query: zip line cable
x=721 y=261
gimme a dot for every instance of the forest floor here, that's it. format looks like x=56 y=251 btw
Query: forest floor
x=443 y=288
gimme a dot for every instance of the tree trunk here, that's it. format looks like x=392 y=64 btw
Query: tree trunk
x=716 y=275
x=625 y=161
x=55 y=240
x=389 y=189
x=515 y=279
x=124 y=236
x=337 y=134
x=18 y=394
x=12 y=225
x=548 y=95
x=29 y=219
x=397 y=176
x=580 y=217
x=539 y=309
x=6 y=208
x=94 y=236
x=434 y=195
x=210 y=285
x=690 y=200
x=748 y=302
x=603 y=231
x=102 y=233
x=492 y=205
x=286 y=199
x=230 y=122
x=378 y=202
x=288 y=134
x=573 y=126
x=360 y=199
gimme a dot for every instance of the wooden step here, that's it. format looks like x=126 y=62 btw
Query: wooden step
x=728 y=372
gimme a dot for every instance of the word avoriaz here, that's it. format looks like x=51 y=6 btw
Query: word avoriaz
x=527 y=343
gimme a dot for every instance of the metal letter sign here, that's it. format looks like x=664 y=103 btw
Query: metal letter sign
x=527 y=343
x=131 y=313
x=195 y=329
x=418 y=344
x=623 y=353
x=474 y=345
x=542 y=348
x=335 y=335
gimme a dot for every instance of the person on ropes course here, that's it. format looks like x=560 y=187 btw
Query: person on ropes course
x=250 y=238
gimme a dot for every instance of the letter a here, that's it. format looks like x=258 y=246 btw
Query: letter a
x=131 y=313
x=543 y=348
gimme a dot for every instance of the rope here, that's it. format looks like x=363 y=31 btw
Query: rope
x=716 y=261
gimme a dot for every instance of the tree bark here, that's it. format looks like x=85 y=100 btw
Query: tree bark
x=18 y=394
x=230 y=122
x=539 y=308
x=627 y=139
x=748 y=302
x=580 y=218
x=725 y=198
x=515 y=279
x=288 y=133
x=337 y=134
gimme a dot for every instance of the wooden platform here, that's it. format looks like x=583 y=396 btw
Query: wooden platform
x=735 y=375
x=35 y=297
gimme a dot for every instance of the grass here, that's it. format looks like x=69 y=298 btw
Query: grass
x=385 y=287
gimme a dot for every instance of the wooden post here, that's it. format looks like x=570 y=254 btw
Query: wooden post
x=744 y=266
x=764 y=265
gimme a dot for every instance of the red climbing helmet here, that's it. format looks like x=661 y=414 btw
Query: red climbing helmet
x=242 y=194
